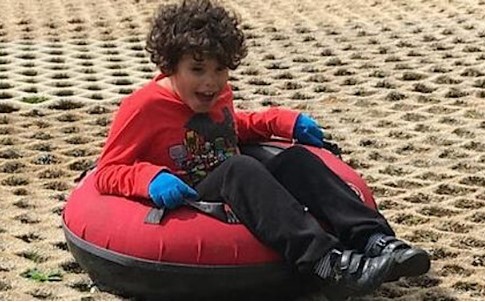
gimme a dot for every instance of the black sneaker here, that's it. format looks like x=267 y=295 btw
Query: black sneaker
x=352 y=273
x=409 y=261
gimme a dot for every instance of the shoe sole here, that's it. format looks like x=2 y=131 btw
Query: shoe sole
x=409 y=263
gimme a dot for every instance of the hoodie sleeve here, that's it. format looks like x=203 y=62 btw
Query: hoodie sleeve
x=262 y=125
x=119 y=170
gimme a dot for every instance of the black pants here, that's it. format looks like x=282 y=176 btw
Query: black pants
x=284 y=201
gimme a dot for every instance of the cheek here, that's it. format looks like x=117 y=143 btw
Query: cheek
x=186 y=84
x=223 y=80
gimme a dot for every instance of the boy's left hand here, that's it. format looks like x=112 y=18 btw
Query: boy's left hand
x=307 y=131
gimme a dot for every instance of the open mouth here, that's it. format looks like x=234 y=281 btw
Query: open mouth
x=205 y=97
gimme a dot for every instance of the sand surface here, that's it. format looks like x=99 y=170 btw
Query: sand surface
x=400 y=85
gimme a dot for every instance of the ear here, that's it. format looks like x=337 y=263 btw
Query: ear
x=166 y=71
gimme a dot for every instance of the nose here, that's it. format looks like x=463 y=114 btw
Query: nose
x=211 y=81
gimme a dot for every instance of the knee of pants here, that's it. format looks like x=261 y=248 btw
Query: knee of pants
x=298 y=151
x=244 y=165
x=297 y=157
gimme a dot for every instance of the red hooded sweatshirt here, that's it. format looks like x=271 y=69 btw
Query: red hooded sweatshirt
x=154 y=130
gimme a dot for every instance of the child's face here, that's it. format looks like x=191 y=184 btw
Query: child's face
x=199 y=83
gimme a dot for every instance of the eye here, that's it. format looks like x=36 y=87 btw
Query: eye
x=221 y=68
x=197 y=69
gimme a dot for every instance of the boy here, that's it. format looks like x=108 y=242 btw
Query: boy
x=177 y=138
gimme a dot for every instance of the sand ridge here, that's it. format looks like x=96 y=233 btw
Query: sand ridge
x=400 y=85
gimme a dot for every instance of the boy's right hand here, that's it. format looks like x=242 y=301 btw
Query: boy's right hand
x=170 y=191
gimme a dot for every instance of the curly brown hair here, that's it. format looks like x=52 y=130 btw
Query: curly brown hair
x=198 y=27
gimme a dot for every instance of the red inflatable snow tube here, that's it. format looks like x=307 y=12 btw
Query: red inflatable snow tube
x=189 y=254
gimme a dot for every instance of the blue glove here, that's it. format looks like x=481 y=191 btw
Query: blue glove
x=170 y=191
x=307 y=131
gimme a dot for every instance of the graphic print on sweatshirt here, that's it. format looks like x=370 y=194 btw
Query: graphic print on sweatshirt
x=206 y=145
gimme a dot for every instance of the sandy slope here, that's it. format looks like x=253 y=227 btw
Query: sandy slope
x=400 y=85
